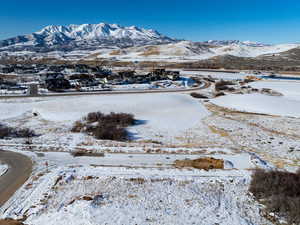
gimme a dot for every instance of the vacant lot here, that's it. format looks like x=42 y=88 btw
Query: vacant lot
x=157 y=114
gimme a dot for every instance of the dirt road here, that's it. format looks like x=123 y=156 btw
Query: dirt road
x=19 y=170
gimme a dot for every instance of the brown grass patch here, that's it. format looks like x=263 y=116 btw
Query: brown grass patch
x=218 y=131
x=10 y=222
x=132 y=196
x=150 y=51
x=115 y=52
x=87 y=198
x=206 y=163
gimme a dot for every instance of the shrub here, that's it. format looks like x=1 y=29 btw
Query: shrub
x=230 y=89
x=77 y=153
x=110 y=127
x=77 y=127
x=248 y=80
x=25 y=133
x=198 y=95
x=5 y=131
x=223 y=85
x=11 y=132
x=83 y=152
x=93 y=117
x=221 y=88
x=120 y=119
x=218 y=94
x=110 y=132
x=280 y=191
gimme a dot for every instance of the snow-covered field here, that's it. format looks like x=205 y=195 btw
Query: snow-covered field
x=286 y=105
x=166 y=115
x=290 y=89
x=258 y=103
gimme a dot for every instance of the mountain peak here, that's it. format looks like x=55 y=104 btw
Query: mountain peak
x=87 y=36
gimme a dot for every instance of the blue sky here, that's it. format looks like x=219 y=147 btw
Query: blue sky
x=269 y=21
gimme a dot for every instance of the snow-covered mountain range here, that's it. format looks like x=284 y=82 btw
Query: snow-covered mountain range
x=237 y=42
x=187 y=50
x=112 y=41
x=85 y=36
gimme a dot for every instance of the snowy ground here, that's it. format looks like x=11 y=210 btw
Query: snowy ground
x=78 y=191
x=275 y=139
x=218 y=75
x=290 y=89
x=163 y=115
x=286 y=105
x=258 y=103
x=125 y=201
x=136 y=182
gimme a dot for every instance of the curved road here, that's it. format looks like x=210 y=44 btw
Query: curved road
x=20 y=168
x=205 y=85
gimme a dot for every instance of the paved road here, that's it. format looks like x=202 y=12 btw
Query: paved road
x=20 y=168
x=205 y=85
